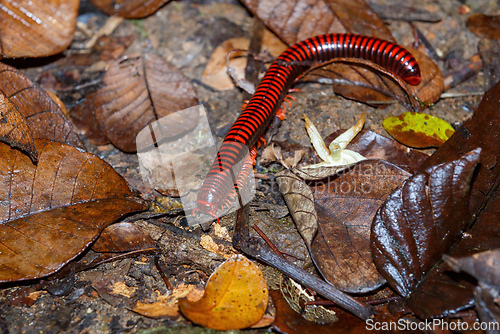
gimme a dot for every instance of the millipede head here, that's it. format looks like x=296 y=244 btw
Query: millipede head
x=208 y=202
x=412 y=73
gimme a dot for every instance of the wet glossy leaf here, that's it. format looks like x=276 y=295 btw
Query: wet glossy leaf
x=36 y=28
x=51 y=212
x=421 y=221
x=444 y=292
x=138 y=90
x=333 y=213
x=294 y=21
x=44 y=118
x=130 y=9
x=122 y=237
x=481 y=130
x=14 y=130
x=418 y=130
x=235 y=297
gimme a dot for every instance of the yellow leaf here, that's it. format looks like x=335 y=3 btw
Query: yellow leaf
x=418 y=130
x=235 y=297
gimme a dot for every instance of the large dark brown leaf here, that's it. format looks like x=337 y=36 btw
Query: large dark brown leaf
x=421 y=221
x=294 y=21
x=36 y=28
x=130 y=9
x=14 y=130
x=44 y=118
x=443 y=291
x=481 y=130
x=138 y=90
x=51 y=212
x=334 y=212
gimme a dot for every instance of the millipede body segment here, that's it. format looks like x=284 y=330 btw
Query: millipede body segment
x=260 y=110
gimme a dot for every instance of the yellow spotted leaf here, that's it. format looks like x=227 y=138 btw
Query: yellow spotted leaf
x=235 y=297
x=418 y=130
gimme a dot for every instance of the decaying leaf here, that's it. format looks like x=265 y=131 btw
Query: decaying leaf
x=235 y=297
x=31 y=28
x=297 y=298
x=44 y=118
x=333 y=209
x=138 y=90
x=122 y=237
x=52 y=211
x=294 y=21
x=14 y=130
x=418 y=130
x=130 y=9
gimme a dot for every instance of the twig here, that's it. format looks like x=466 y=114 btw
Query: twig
x=162 y=274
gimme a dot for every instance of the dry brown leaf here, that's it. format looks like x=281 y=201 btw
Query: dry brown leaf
x=14 y=130
x=215 y=74
x=138 y=90
x=130 y=9
x=484 y=26
x=333 y=209
x=36 y=28
x=294 y=21
x=44 y=118
x=235 y=297
x=52 y=211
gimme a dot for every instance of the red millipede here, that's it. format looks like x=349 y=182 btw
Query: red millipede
x=258 y=113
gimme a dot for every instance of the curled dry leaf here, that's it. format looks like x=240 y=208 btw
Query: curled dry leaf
x=130 y=9
x=333 y=209
x=123 y=237
x=294 y=21
x=14 y=130
x=138 y=90
x=44 y=118
x=38 y=28
x=165 y=305
x=215 y=74
x=52 y=211
x=235 y=297
x=421 y=221
x=418 y=130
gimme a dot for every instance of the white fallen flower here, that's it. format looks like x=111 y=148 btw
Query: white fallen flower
x=335 y=154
